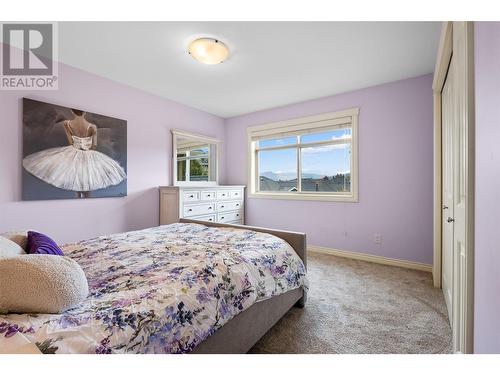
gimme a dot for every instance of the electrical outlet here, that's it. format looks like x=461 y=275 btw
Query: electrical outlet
x=377 y=239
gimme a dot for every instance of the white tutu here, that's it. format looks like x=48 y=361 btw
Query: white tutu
x=70 y=168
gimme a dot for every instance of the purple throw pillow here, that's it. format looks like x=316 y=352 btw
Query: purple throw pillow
x=39 y=243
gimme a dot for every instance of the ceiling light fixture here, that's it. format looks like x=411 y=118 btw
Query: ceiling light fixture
x=208 y=51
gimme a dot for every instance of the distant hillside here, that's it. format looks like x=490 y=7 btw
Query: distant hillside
x=337 y=183
x=287 y=176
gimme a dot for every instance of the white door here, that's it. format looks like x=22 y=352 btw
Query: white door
x=463 y=198
x=447 y=108
x=457 y=167
x=455 y=184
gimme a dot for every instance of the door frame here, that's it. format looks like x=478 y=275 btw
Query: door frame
x=457 y=38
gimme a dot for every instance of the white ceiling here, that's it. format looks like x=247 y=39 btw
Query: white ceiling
x=271 y=63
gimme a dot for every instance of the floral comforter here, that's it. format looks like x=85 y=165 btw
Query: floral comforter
x=161 y=290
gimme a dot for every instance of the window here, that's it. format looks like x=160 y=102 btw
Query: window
x=192 y=163
x=313 y=158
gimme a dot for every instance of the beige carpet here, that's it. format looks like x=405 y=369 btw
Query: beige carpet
x=360 y=307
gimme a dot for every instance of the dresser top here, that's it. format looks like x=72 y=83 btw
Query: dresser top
x=204 y=187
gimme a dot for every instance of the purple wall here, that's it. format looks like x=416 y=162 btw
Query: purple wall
x=150 y=119
x=395 y=173
x=487 y=234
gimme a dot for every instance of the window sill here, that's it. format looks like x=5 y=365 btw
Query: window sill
x=349 y=198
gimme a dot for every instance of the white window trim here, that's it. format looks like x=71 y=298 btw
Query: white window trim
x=298 y=124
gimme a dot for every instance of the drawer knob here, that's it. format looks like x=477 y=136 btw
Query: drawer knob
x=222 y=217
x=221 y=206
x=237 y=214
x=189 y=210
x=191 y=196
x=237 y=204
x=209 y=208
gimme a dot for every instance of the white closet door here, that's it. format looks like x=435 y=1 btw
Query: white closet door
x=448 y=183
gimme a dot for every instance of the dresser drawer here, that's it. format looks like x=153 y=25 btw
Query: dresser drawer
x=227 y=217
x=191 y=196
x=223 y=194
x=208 y=195
x=229 y=206
x=199 y=209
x=236 y=194
x=211 y=218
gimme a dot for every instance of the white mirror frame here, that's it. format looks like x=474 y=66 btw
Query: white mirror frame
x=176 y=133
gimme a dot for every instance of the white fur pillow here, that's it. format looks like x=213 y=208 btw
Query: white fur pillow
x=19 y=237
x=41 y=284
x=9 y=248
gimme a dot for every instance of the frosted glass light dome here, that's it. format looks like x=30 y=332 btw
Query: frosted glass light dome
x=208 y=51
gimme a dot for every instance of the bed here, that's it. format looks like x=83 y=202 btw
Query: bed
x=189 y=287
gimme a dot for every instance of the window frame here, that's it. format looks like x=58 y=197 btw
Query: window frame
x=302 y=126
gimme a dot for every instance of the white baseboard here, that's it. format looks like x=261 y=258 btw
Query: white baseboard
x=371 y=258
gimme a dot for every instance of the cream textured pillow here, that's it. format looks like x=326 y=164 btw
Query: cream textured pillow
x=9 y=248
x=21 y=238
x=41 y=284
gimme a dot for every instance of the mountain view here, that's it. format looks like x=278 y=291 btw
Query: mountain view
x=287 y=182
x=284 y=176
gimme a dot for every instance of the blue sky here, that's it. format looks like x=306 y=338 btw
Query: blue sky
x=322 y=160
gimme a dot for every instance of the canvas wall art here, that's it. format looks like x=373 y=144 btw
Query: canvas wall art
x=69 y=153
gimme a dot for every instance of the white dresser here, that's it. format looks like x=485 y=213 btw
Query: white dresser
x=221 y=203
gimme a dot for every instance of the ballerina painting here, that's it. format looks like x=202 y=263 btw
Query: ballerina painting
x=76 y=154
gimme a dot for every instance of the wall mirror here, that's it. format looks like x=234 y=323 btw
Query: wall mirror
x=195 y=159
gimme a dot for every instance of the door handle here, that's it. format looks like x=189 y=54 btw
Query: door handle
x=450 y=220
x=445 y=207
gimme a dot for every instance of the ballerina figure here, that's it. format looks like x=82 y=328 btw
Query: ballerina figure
x=77 y=167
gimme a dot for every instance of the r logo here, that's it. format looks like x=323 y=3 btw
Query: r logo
x=27 y=49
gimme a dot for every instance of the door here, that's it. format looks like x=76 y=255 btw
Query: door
x=454 y=199
x=463 y=187
x=448 y=184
